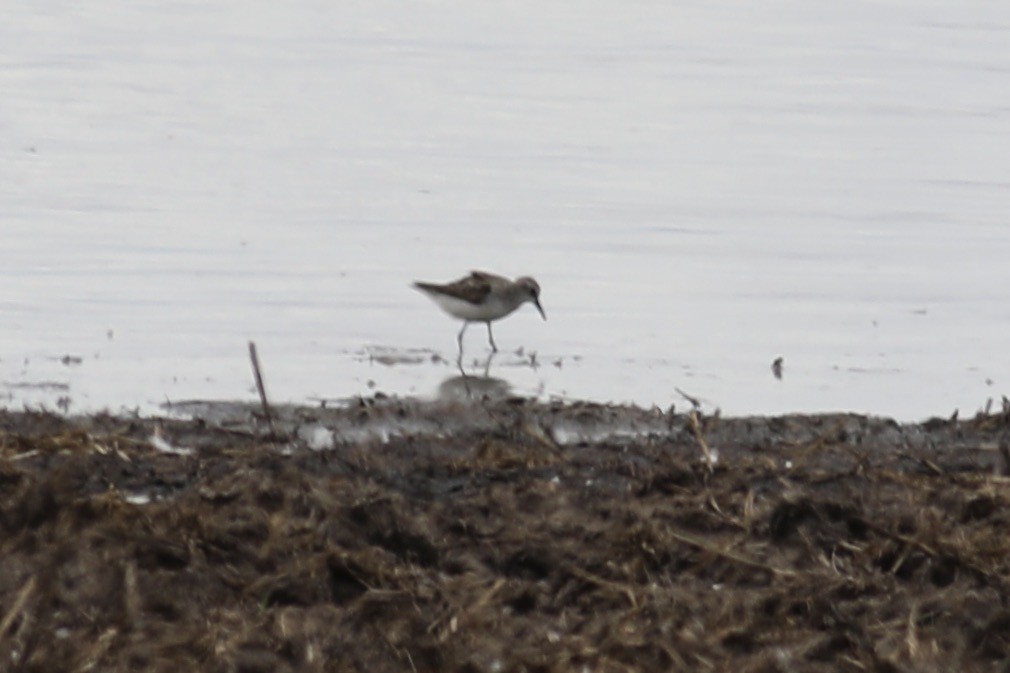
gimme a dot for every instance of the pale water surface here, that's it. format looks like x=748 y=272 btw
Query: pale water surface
x=699 y=187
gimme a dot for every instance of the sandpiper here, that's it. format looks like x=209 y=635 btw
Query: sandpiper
x=482 y=297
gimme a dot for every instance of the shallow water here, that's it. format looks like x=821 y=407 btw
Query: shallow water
x=699 y=188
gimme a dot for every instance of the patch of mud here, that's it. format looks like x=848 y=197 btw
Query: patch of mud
x=502 y=536
x=36 y=385
x=389 y=356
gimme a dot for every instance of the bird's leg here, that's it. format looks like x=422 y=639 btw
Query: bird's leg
x=459 y=340
x=490 y=338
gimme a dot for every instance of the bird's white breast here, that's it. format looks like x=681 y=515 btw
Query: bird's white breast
x=492 y=308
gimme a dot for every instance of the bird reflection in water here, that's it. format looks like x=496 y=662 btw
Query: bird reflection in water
x=471 y=386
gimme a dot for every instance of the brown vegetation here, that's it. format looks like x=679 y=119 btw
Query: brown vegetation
x=829 y=543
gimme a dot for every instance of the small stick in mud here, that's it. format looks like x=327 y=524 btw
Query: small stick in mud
x=695 y=402
x=1004 y=452
x=18 y=606
x=706 y=452
x=259 y=387
x=695 y=541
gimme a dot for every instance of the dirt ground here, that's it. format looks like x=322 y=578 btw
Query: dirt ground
x=503 y=536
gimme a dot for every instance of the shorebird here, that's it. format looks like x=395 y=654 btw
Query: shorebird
x=482 y=297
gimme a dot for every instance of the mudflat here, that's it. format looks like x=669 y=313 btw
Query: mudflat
x=509 y=535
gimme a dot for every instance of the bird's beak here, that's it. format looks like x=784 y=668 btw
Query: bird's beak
x=536 y=302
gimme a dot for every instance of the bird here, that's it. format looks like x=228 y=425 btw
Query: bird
x=482 y=297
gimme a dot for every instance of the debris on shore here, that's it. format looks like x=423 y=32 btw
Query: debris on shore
x=396 y=535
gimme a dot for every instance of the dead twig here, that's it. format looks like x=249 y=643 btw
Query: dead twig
x=452 y=618
x=705 y=450
x=1004 y=452
x=617 y=587
x=696 y=541
x=18 y=606
x=944 y=550
x=912 y=633
x=695 y=402
x=261 y=389
x=131 y=594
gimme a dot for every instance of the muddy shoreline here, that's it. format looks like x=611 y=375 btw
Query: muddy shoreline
x=397 y=535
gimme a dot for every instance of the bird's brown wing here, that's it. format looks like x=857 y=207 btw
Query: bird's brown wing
x=487 y=277
x=472 y=289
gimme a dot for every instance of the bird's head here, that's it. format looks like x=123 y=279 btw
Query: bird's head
x=532 y=290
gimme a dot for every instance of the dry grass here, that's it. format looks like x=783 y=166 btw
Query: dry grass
x=811 y=544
